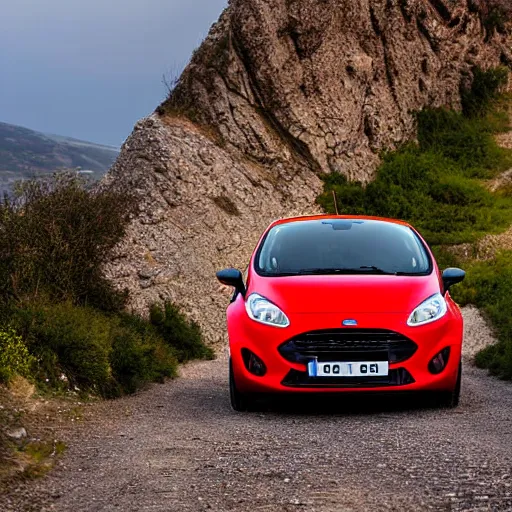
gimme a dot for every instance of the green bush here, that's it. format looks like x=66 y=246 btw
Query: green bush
x=182 y=335
x=426 y=189
x=103 y=353
x=56 y=235
x=446 y=258
x=505 y=190
x=139 y=354
x=468 y=142
x=486 y=87
x=68 y=340
x=15 y=358
x=488 y=285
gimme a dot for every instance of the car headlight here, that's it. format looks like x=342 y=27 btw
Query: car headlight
x=428 y=311
x=262 y=310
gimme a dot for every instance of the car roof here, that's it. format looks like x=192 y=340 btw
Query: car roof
x=351 y=217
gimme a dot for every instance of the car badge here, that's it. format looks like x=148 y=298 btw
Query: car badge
x=349 y=322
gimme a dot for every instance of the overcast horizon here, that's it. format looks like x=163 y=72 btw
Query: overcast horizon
x=90 y=70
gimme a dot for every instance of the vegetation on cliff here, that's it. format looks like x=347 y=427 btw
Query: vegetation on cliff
x=488 y=285
x=62 y=323
x=439 y=185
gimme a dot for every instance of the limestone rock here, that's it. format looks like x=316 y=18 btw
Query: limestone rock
x=203 y=210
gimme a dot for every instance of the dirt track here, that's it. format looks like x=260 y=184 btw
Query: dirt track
x=179 y=447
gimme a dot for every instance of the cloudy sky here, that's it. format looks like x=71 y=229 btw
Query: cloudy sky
x=90 y=68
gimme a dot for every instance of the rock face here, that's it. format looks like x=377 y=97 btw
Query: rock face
x=202 y=209
x=280 y=91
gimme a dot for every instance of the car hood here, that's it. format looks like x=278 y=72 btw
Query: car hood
x=346 y=293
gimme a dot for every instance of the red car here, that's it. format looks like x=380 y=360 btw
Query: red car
x=343 y=304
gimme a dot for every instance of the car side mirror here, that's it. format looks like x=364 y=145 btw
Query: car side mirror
x=452 y=276
x=232 y=277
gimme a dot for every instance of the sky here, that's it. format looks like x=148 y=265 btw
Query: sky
x=90 y=69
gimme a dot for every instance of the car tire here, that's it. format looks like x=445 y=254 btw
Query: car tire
x=450 y=399
x=239 y=401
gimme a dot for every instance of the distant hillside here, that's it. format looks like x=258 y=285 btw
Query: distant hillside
x=25 y=153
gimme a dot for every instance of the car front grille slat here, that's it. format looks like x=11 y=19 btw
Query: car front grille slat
x=348 y=345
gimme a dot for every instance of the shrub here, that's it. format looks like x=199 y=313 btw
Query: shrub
x=468 y=142
x=56 y=235
x=488 y=285
x=15 y=358
x=68 y=340
x=505 y=190
x=426 y=189
x=103 y=353
x=446 y=258
x=182 y=335
x=497 y=359
x=485 y=89
x=350 y=195
x=139 y=354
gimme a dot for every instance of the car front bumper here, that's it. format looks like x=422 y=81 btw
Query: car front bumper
x=285 y=376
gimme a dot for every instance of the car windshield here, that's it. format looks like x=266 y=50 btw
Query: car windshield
x=341 y=246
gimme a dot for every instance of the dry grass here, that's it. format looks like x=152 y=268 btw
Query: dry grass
x=150 y=260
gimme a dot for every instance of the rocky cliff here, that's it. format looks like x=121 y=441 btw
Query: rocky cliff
x=280 y=91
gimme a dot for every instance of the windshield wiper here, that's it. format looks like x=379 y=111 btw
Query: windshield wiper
x=279 y=274
x=365 y=269
x=377 y=270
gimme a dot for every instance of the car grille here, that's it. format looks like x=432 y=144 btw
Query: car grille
x=396 y=377
x=348 y=345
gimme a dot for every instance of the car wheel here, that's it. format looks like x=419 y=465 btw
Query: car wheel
x=450 y=399
x=239 y=401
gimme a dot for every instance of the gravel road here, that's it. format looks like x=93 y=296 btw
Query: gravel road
x=180 y=447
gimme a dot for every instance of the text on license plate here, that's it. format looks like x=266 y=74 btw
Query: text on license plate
x=348 y=369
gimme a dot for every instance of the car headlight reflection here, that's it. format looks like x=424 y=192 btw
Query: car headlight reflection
x=262 y=310
x=428 y=311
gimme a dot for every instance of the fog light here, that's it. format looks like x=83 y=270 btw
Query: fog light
x=439 y=361
x=253 y=363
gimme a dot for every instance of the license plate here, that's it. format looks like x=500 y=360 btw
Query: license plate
x=348 y=369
